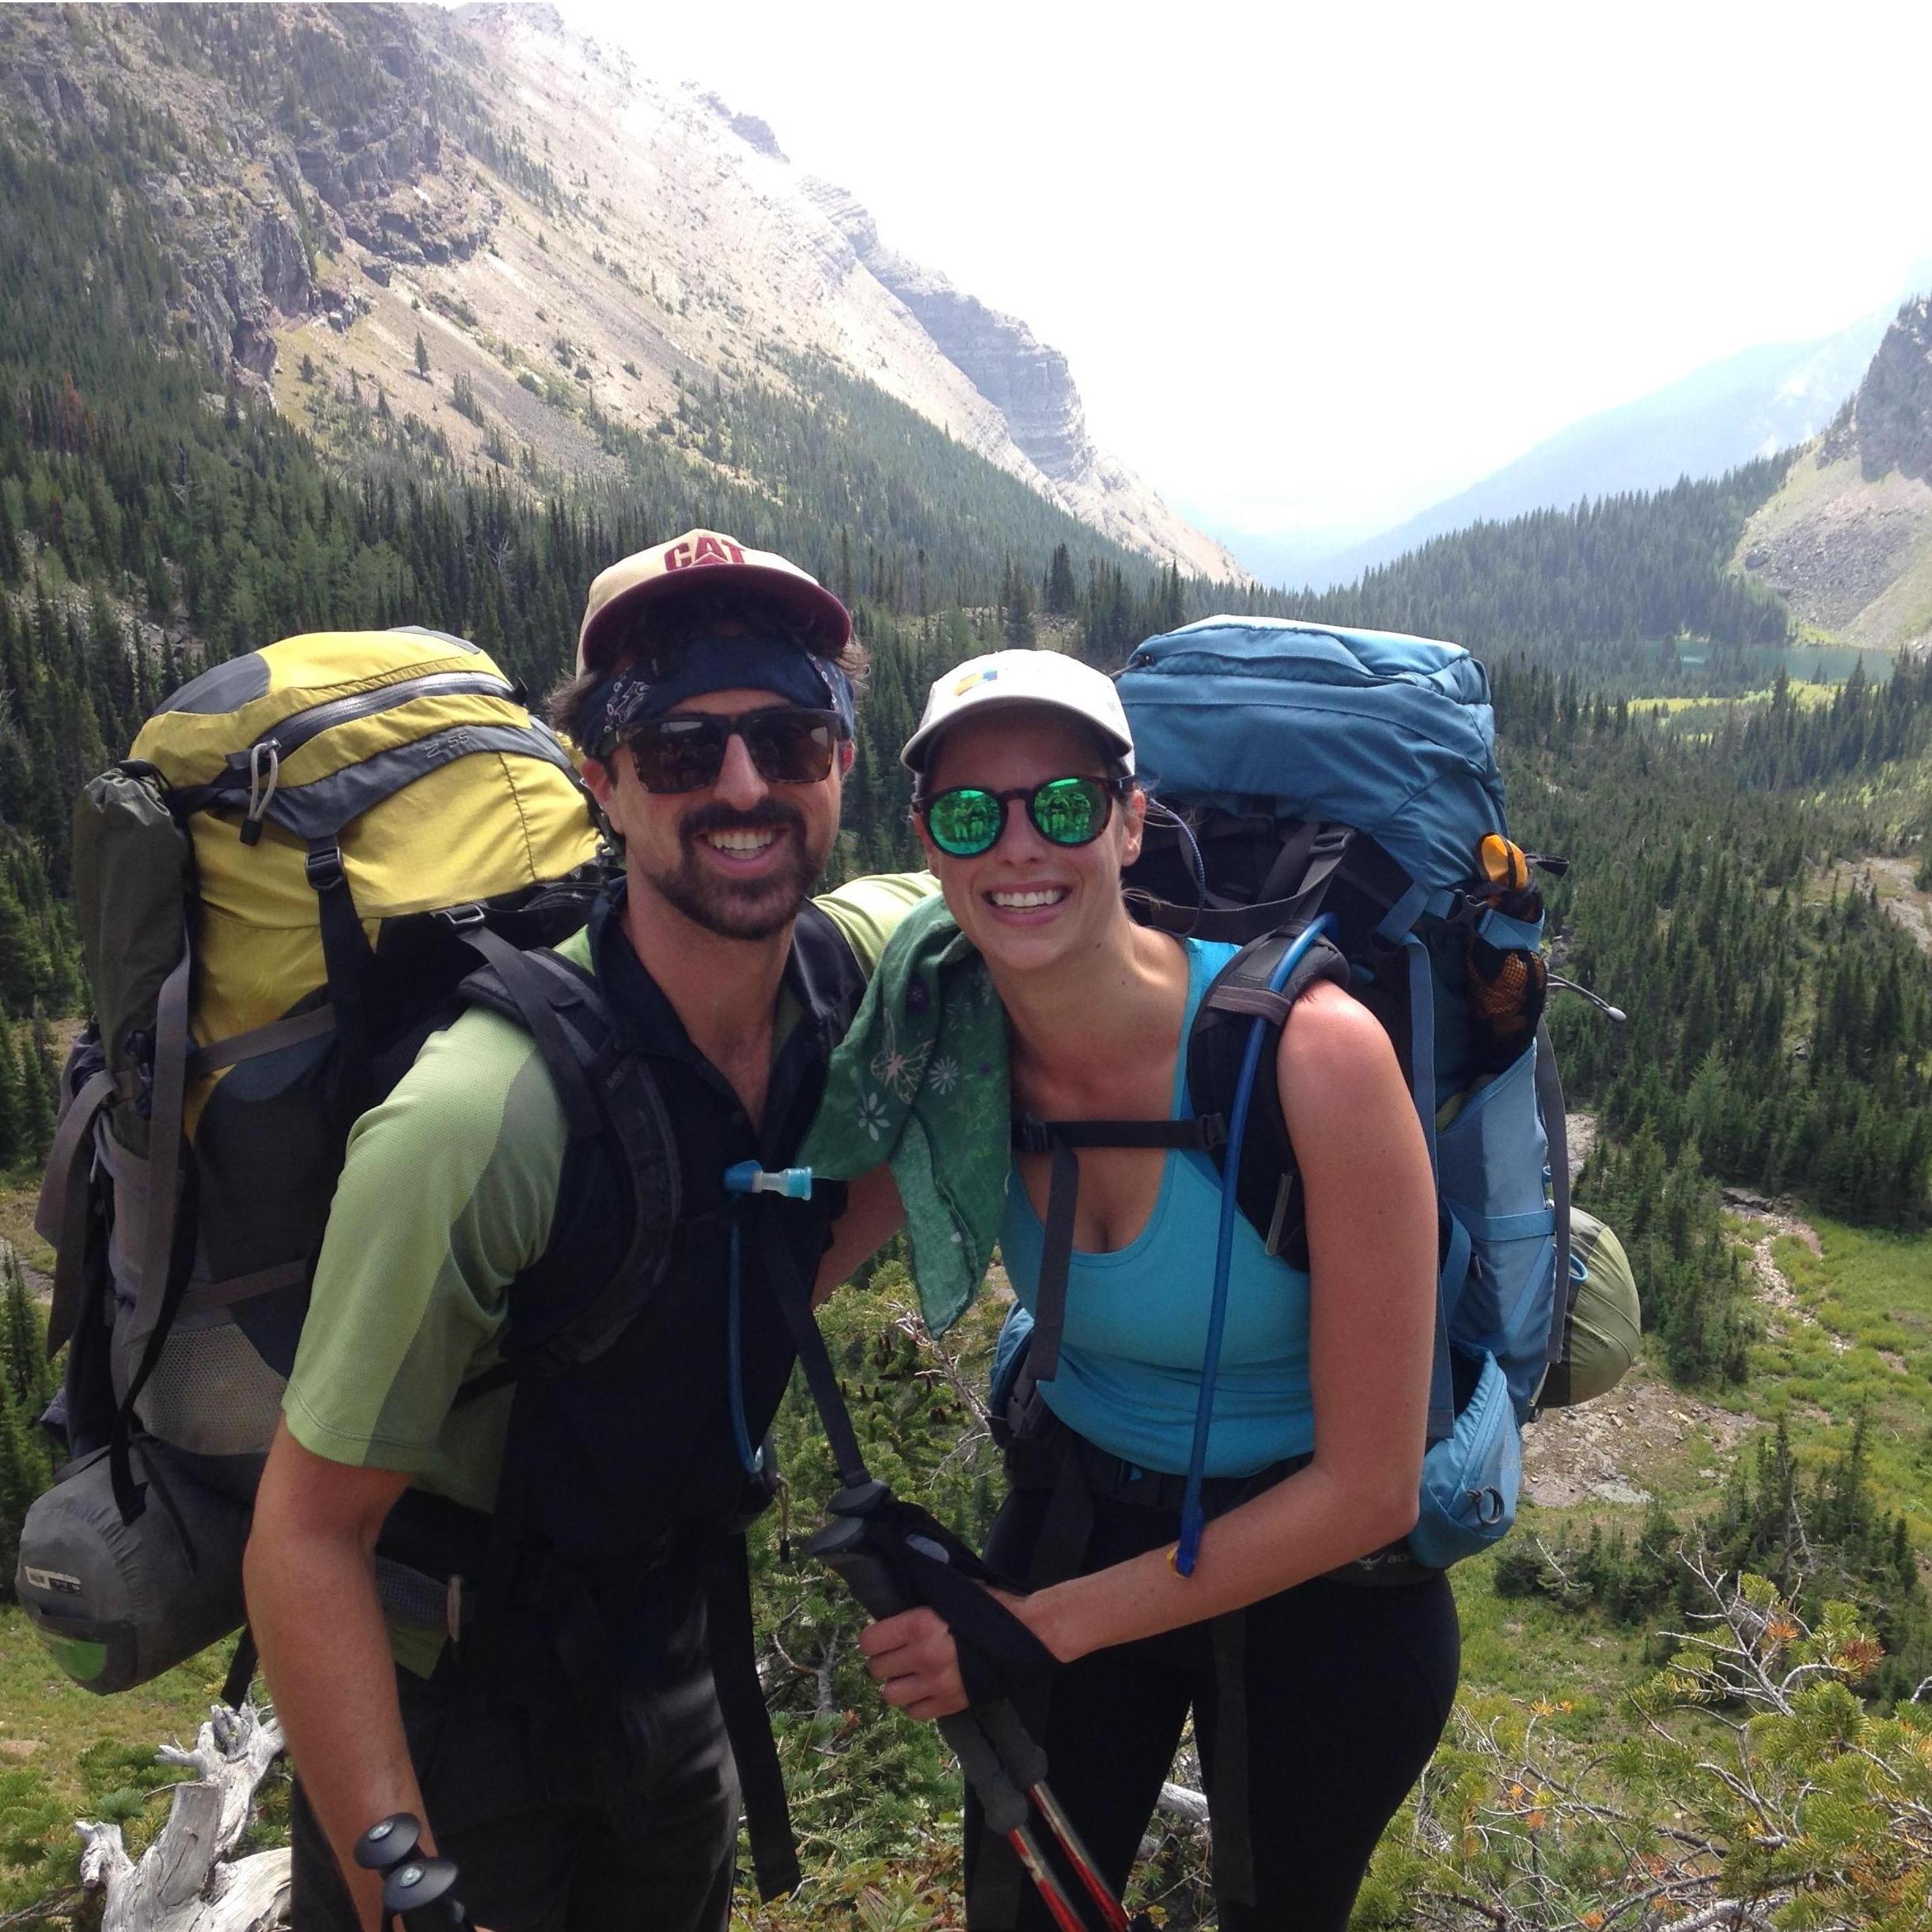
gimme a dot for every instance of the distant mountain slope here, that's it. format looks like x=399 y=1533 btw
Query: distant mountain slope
x=575 y=245
x=1848 y=540
x=1748 y=405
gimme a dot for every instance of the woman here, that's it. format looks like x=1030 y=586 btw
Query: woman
x=1317 y=1700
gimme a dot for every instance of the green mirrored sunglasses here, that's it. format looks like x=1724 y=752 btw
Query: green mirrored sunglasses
x=967 y=821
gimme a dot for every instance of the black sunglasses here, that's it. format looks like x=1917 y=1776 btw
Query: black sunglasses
x=967 y=821
x=789 y=744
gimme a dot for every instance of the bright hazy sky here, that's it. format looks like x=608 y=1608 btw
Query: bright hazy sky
x=1320 y=266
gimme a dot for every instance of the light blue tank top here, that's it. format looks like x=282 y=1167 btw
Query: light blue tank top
x=1136 y=1330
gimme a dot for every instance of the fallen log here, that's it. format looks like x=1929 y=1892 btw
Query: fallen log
x=182 y=1882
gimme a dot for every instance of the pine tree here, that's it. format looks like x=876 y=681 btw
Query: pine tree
x=1016 y=608
x=39 y=1086
x=1062 y=595
x=23 y=1339
x=423 y=357
x=13 y=1142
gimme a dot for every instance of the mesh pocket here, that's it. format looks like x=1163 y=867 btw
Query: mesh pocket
x=211 y=1393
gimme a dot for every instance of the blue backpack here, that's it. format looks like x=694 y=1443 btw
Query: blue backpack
x=1334 y=806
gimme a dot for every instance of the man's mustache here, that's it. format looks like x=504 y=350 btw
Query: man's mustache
x=772 y=816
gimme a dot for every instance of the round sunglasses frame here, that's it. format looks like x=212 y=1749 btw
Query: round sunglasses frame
x=1109 y=789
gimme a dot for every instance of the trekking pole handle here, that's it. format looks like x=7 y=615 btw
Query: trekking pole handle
x=839 y=1544
x=421 y=1894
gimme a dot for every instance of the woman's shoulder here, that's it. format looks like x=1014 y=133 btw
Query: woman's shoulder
x=1329 y=1034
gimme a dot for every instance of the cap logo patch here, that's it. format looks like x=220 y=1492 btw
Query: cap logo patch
x=973 y=678
x=708 y=549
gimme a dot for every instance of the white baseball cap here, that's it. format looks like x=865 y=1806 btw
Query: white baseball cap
x=1008 y=679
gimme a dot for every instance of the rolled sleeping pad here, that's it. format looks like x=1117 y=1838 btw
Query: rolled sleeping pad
x=1606 y=1321
x=116 y=1603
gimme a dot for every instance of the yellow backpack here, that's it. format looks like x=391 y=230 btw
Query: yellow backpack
x=274 y=893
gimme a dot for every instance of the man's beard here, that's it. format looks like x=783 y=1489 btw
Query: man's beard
x=742 y=908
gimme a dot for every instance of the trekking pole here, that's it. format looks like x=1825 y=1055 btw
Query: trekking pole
x=418 y=1892
x=1002 y=1761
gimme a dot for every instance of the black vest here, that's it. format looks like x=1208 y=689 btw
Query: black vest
x=623 y=1494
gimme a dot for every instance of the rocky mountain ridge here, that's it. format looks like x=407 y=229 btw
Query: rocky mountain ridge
x=1848 y=540
x=575 y=244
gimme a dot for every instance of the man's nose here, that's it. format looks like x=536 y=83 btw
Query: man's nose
x=739 y=783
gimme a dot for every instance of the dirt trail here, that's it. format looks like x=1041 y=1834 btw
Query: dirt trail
x=1769 y=1281
x=1607 y=1450
x=1892 y=880
x=1610 y=1450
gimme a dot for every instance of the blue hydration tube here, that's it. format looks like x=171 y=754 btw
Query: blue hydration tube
x=1191 y=1519
x=747 y=1177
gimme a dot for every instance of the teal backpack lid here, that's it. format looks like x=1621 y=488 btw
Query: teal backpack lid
x=1393 y=735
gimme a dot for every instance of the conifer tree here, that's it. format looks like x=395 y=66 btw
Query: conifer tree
x=423 y=357
x=14 y=1146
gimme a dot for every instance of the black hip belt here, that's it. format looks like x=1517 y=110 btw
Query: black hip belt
x=1034 y=1460
x=1043 y=1453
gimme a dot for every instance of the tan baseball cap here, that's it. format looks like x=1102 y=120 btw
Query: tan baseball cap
x=1012 y=678
x=703 y=559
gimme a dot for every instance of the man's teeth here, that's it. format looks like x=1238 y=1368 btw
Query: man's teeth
x=1021 y=902
x=742 y=844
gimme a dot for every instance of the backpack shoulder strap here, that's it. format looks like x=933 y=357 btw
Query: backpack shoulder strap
x=831 y=977
x=1268 y=1186
x=1238 y=993
x=605 y=1094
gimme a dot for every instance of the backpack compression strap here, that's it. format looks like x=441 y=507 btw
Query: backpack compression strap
x=1058 y=1139
x=1556 y=1132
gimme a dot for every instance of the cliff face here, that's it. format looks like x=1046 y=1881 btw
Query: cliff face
x=339 y=181
x=251 y=203
x=1890 y=422
x=1848 y=540
x=1028 y=383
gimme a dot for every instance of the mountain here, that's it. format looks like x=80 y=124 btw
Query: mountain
x=1747 y=405
x=1847 y=540
x=570 y=240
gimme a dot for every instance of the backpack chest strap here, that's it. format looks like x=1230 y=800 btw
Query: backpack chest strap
x=1058 y=1139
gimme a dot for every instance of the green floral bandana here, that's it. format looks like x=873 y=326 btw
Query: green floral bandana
x=920 y=1081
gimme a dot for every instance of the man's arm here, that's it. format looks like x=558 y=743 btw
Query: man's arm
x=873 y=1215
x=447 y=1193
x=311 y=1577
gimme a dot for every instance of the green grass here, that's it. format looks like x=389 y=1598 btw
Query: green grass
x=90 y=1757
x=1868 y=1345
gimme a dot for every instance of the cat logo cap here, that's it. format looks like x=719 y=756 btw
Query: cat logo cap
x=703 y=559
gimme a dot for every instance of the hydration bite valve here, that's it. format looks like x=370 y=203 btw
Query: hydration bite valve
x=748 y=1177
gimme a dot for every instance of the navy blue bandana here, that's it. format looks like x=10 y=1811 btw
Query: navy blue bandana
x=630 y=696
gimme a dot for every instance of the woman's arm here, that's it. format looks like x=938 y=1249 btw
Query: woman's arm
x=872 y=1216
x=1372 y=1246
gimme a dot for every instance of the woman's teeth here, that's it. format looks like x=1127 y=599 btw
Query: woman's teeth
x=1026 y=901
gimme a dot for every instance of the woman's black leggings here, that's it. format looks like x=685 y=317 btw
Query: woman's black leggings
x=1345 y=1690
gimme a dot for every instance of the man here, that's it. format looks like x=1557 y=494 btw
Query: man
x=539 y=1357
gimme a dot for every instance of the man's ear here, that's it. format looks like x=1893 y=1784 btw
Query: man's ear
x=848 y=752
x=597 y=776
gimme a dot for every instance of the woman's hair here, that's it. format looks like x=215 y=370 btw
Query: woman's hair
x=661 y=632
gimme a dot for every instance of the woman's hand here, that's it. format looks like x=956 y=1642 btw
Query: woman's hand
x=916 y=1662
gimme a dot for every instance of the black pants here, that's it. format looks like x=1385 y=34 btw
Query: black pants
x=556 y=1829
x=1345 y=1691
